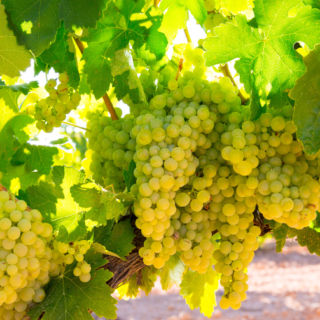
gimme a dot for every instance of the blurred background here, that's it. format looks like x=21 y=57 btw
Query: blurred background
x=282 y=286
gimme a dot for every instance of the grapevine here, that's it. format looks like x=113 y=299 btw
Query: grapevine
x=166 y=161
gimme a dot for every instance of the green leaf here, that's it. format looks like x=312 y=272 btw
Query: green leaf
x=83 y=13
x=313 y=3
x=57 y=205
x=236 y=6
x=60 y=141
x=265 y=47
x=39 y=66
x=35 y=23
x=11 y=93
x=171 y=273
x=128 y=175
x=118 y=241
x=280 y=234
x=306 y=95
x=10 y=98
x=199 y=290
x=174 y=19
x=15 y=132
x=176 y=15
x=307 y=237
x=126 y=80
x=69 y=298
x=148 y=280
x=121 y=24
x=125 y=196
x=61 y=59
x=86 y=194
x=13 y=57
x=316 y=223
x=129 y=289
x=23 y=88
x=38 y=158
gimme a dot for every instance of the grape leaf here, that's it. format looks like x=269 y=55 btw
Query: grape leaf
x=61 y=59
x=11 y=93
x=121 y=23
x=18 y=178
x=307 y=109
x=14 y=133
x=10 y=98
x=171 y=273
x=118 y=241
x=23 y=88
x=86 y=194
x=316 y=223
x=60 y=141
x=69 y=298
x=313 y=3
x=174 y=19
x=35 y=23
x=38 y=158
x=199 y=290
x=307 y=237
x=236 y=6
x=280 y=234
x=125 y=76
x=176 y=15
x=57 y=205
x=39 y=66
x=83 y=13
x=130 y=289
x=265 y=47
x=128 y=175
x=13 y=57
x=148 y=279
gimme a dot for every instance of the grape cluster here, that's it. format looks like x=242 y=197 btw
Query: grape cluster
x=202 y=167
x=50 y=112
x=111 y=149
x=25 y=257
x=65 y=253
x=214 y=18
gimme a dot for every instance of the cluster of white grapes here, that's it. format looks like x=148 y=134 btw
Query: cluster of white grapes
x=29 y=257
x=50 y=112
x=111 y=149
x=66 y=253
x=214 y=18
x=25 y=257
x=202 y=167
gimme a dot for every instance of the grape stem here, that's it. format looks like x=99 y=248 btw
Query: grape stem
x=106 y=98
x=186 y=32
x=226 y=72
x=74 y=125
x=179 y=68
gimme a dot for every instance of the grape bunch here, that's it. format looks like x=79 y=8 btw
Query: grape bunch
x=204 y=168
x=50 y=112
x=25 y=257
x=111 y=149
x=64 y=254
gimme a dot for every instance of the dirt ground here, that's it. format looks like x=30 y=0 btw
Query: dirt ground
x=281 y=287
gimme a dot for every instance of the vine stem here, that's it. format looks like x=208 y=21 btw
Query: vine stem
x=186 y=32
x=226 y=72
x=179 y=68
x=106 y=98
x=74 y=125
